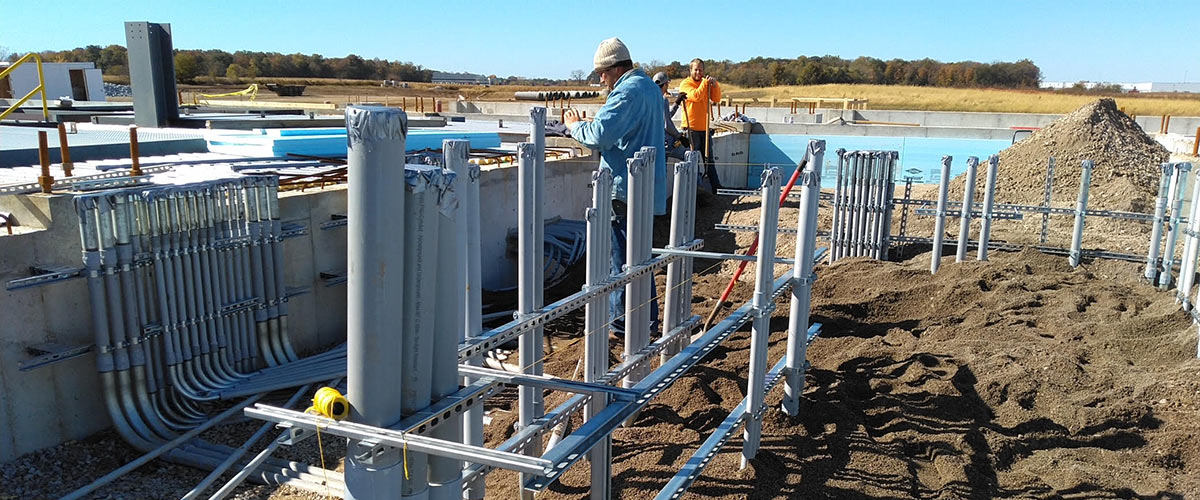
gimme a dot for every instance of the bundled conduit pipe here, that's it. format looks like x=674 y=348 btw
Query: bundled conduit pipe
x=188 y=303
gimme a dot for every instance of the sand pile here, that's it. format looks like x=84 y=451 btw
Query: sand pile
x=1126 y=170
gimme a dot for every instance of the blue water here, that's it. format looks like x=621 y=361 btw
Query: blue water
x=920 y=157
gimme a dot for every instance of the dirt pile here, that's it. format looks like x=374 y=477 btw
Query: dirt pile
x=1126 y=159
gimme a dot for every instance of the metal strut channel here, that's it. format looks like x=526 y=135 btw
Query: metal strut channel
x=45 y=276
x=711 y=446
x=399 y=439
x=574 y=447
x=492 y=338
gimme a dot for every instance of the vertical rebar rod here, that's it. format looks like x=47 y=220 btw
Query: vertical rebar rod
x=939 y=225
x=1178 y=188
x=989 y=196
x=596 y=319
x=802 y=275
x=764 y=274
x=529 y=343
x=375 y=287
x=1046 y=202
x=1080 y=212
x=964 y=225
x=1160 y=212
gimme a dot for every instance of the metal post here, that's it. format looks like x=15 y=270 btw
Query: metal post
x=1046 y=202
x=1178 y=187
x=964 y=225
x=65 y=150
x=596 y=319
x=802 y=274
x=764 y=274
x=537 y=118
x=989 y=195
x=1187 y=270
x=530 y=343
x=1160 y=211
x=635 y=290
x=1080 y=210
x=939 y=226
x=375 y=235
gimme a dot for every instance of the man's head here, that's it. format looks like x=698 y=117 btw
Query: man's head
x=611 y=61
x=662 y=80
x=697 y=69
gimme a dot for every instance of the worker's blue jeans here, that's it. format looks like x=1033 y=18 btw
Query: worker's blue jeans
x=616 y=301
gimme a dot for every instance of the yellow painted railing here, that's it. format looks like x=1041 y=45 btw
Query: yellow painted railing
x=40 y=88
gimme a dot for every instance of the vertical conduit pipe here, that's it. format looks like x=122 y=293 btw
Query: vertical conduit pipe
x=634 y=290
x=445 y=474
x=1080 y=211
x=417 y=342
x=1187 y=270
x=989 y=195
x=473 y=424
x=375 y=288
x=672 y=308
x=888 y=206
x=835 y=228
x=968 y=205
x=529 y=343
x=1179 y=188
x=803 y=277
x=764 y=274
x=860 y=172
x=596 y=319
x=1160 y=211
x=939 y=225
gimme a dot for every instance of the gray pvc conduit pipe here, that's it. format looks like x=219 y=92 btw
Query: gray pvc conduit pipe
x=968 y=204
x=939 y=226
x=1081 y=210
x=1160 y=210
x=1178 y=187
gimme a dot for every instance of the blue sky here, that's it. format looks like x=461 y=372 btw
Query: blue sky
x=1133 y=40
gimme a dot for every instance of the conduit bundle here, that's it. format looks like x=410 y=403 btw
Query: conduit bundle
x=862 y=204
x=187 y=296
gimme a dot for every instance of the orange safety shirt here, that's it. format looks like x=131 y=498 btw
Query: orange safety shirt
x=695 y=115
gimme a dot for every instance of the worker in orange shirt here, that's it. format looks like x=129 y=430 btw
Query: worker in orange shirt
x=700 y=91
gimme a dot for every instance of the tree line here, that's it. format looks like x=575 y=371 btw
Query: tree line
x=197 y=65
x=766 y=72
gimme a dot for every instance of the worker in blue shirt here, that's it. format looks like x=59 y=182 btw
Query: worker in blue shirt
x=631 y=118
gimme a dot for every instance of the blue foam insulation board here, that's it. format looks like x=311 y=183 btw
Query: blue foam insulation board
x=331 y=141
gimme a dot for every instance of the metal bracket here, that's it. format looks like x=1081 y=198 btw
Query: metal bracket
x=335 y=220
x=44 y=275
x=333 y=277
x=292 y=229
x=48 y=353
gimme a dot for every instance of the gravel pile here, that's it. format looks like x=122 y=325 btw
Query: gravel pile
x=117 y=90
x=1126 y=159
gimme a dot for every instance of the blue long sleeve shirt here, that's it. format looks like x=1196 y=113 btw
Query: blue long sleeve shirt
x=631 y=118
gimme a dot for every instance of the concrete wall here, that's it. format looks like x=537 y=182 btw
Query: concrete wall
x=58 y=81
x=950 y=124
x=59 y=402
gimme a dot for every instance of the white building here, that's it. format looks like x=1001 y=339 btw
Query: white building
x=1192 y=87
x=80 y=81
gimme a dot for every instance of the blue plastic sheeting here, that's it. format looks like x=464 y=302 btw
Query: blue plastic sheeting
x=920 y=157
x=332 y=141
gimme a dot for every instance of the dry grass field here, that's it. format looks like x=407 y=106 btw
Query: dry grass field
x=338 y=91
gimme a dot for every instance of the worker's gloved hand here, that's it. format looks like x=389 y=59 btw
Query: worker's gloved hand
x=682 y=97
x=684 y=141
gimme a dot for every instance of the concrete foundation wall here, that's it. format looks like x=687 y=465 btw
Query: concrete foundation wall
x=62 y=401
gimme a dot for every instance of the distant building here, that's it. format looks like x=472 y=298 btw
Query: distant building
x=1131 y=87
x=79 y=81
x=461 y=78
